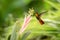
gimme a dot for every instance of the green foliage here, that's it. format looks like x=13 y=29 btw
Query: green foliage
x=11 y=10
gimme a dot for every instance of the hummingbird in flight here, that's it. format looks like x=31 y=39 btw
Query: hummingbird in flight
x=38 y=17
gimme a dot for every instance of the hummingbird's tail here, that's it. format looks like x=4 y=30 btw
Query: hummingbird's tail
x=41 y=22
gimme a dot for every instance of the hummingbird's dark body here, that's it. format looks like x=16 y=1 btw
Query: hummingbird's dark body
x=39 y=19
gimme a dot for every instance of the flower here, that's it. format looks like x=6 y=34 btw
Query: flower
x=26 y=20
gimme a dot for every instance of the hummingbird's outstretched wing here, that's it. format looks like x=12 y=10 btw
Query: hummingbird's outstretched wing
x=42 y=13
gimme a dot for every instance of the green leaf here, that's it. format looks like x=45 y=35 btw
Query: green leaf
x=15 y=31
x=25 y=35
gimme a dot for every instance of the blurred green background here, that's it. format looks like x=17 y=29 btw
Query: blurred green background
x=11 y=10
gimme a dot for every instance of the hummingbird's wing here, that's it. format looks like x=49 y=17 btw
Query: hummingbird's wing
x=42 y=13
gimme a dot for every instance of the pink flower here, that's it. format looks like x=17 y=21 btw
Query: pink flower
x=26 y=21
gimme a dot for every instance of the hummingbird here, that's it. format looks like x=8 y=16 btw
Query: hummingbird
x=38 y=17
